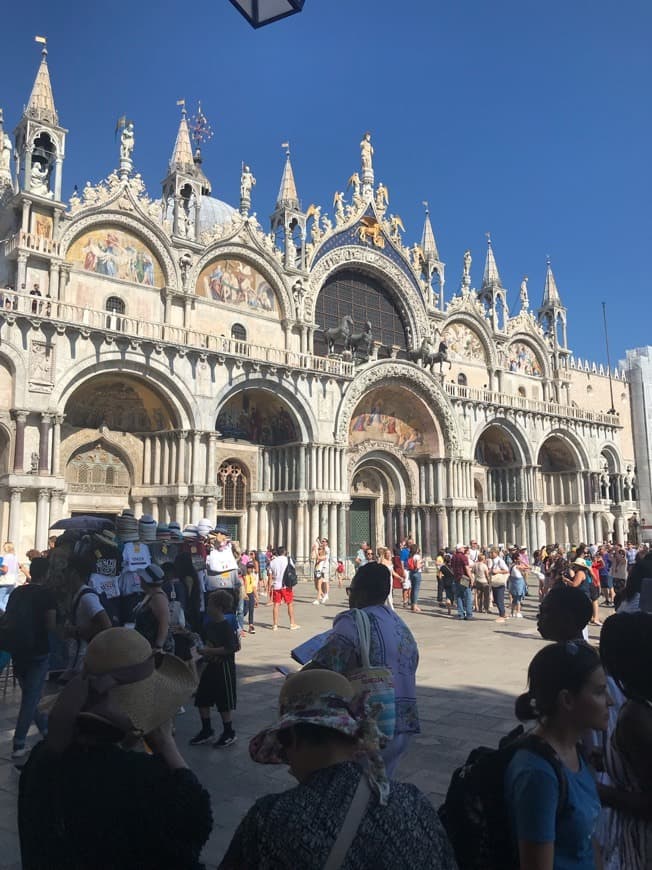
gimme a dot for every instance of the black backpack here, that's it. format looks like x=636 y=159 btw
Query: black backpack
x=290 y=575
x=17 y=631
x=475 y=813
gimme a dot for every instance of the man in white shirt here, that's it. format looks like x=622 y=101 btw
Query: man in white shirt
x=281 y=593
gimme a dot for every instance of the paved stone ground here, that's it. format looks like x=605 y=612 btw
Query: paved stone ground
x=469 y=675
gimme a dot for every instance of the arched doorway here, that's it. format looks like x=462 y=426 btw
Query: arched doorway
x=392 y=438
x=501 y=510
x=561 y=490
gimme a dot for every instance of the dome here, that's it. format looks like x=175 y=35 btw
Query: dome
x=213 y=211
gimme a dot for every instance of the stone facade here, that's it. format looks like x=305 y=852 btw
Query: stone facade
x=181 y=360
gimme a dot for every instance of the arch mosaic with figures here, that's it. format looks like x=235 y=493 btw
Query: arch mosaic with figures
x=463 y=342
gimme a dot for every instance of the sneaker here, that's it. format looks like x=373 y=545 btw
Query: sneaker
x=275 y=628
x=252 y=630
x=204 y=736
x=294 y=627
x=225 y=740
x=519 y=616
x=317 y=601
x=324 y=599
x=19 y=752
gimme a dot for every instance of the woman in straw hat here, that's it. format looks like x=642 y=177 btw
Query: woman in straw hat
x=344 y=813
x=84 y=799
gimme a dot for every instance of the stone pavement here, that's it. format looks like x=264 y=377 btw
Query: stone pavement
x=468 y=678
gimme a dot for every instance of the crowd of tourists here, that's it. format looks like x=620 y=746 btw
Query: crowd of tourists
x=128 y=632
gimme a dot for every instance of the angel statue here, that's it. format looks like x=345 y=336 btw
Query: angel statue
x=315 y=230
x=417 y=257
x=382 y=197
x=354 y=182
x=366 y=153
x=525 y=299
x=338 y=205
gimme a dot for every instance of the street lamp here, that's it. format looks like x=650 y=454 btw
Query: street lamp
x=261 y=12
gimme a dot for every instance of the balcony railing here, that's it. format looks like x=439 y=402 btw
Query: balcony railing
x=33 y=242
x=491 y=397
x=24 y=304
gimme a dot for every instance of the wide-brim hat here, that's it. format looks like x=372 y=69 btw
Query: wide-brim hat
x=312 y=697
x=190 y=532
x=107 y=537
x=130 y=687
x=580 y=562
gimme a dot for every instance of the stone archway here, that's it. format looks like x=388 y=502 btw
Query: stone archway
x=98 y=479
x=500 y=486
x=382 y=496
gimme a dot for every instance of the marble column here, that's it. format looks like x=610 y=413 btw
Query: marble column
x=401 y=524
x=57 y=498
x=243 y=532
x=44 y=446
x=195 y=509
x=426 y=544
x=56 y=445
x=263 y=528
x=165 y=463
x=301 y=482
x=315 y=531
x=342 y=531
x=442 y=528
x=211 y=508
x=323 y=521
x=156 y=452
x=42 y=519
x=173 y=451
x=212 y=471
x=313 y=468
x=181 y=457
x=16 y=495
x=332 y=531
x=196 y=476
x=388 y=531
x=180 y=512
x=19 y=444
x=137 y=507
x=300 y=546
x=147 y=460
x=252 y=526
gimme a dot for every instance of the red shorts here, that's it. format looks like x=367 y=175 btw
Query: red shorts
x=283 y=595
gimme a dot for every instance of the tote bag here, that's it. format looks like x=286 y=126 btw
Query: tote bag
x=378 y=681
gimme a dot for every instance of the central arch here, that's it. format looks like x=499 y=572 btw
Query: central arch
x=413 y=381
x=382 y=485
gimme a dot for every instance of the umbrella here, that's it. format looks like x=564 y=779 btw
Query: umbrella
x=84 y=524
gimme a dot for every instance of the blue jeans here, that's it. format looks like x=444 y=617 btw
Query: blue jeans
x=464 y=598
x=249 y=607
x=5 y=592
x=415 y=580
x=498 y=593
x=31 y=675
x=239 y=611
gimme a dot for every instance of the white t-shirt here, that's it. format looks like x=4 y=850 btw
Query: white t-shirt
x=86 y=604
x=221 y=560
x=10 y=562
x=135 y=556
x=109 y=585
x=277 y=568
x=499 y=564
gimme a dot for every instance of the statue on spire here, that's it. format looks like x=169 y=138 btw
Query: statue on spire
x=247 y=181
x=366 y=153
x=466 y=273
x=525 y=299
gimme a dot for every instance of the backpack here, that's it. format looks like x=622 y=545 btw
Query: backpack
x=290 y=575
x=475 y=813
x=17 y=634
x=411 y=566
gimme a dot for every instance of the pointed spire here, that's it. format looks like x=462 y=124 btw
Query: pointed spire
x=428 y=244
x=287 y=194
x=491 y=277
x=182 y=155
x=41 y=101
x=551 y=297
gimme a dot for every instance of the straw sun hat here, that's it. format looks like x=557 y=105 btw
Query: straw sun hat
x=124 y=685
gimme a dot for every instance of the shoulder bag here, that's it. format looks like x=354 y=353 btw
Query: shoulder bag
x=378 y=681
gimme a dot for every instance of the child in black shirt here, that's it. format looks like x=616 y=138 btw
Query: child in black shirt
x=217 y=684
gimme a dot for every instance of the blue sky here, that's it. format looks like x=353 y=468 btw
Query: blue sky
x=528 y=120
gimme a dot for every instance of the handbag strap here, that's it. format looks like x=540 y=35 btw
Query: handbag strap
x=364 y=633
x=350 y=825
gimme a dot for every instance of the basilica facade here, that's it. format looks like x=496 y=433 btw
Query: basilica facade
x=321 y=379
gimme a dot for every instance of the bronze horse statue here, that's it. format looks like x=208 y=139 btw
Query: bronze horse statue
x=361 y=341
x=340 y=334
x=429 y=358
